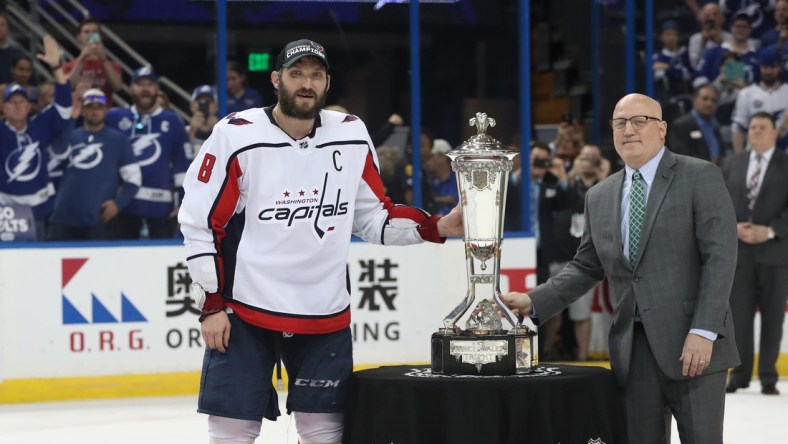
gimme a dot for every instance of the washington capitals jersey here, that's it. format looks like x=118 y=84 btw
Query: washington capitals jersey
x=161 y=146
x=99 y=166
x=24 y=178
x=267 y=220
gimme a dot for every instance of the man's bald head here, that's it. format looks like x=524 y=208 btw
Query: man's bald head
x=643 y=132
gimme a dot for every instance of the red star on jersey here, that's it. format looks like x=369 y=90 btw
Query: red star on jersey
x=286 y=193
x=301 y=193
x=315 y=191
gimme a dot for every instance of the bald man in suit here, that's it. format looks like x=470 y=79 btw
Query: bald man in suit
x=663 y=231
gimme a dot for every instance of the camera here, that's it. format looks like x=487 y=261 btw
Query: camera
x=204 y=106
x=708 y=24
x=542 y=163
x=94 y=38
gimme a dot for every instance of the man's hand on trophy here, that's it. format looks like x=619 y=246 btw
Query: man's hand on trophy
x=520 y=303
x=451 y=224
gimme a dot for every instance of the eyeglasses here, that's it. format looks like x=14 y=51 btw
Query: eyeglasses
x=95 y=99
x=638 y=122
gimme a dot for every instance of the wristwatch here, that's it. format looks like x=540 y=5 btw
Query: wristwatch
x=770 y=234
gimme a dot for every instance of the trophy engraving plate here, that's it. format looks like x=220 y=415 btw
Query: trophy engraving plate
x=478 y=353
x=480 y=180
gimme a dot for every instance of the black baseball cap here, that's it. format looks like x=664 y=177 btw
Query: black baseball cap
x=298 y=49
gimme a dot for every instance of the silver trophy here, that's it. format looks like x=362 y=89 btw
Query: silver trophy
x=483 y=347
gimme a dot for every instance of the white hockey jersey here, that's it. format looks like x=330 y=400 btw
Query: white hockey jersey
x=267 y=220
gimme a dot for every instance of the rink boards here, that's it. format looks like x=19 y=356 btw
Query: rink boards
x=117 y=320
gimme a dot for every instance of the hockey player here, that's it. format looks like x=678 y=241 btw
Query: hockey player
x=770 y=95
x=101 y=176
x=24 y=179
x=163 y=151
x=272 y=200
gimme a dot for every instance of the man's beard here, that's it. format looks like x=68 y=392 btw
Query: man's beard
x=288 y=106
x=145 y=102
x=769 y=80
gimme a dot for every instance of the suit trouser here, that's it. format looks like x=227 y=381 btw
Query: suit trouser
x=650 y=397
x=765 y=287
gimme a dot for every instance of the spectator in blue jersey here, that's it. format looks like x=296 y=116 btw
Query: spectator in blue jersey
x=8 y=52
x=772 y=35
x=760 y=13
x=100 y=179
x=239 y=95
x=442 y=178
x=161 y=146
x=742 y=45
x=204 y=115
x=671 y=65
x=24 y=178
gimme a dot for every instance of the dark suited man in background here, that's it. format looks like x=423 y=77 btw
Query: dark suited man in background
x=696 y=133
x=548 y=194
x=758 y=185
x=663 y=231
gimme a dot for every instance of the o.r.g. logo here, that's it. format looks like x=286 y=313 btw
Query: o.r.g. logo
x=99 y=313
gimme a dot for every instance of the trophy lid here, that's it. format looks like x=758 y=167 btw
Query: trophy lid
x=482 y=145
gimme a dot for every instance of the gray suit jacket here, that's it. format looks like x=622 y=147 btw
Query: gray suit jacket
x=684 y=272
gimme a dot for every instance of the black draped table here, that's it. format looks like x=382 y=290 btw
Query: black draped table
x=556 y=404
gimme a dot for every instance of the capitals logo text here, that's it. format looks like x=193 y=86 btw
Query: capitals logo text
x=310 y=208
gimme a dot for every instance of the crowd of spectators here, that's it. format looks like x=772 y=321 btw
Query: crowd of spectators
x=731 y=66
x=65 y=148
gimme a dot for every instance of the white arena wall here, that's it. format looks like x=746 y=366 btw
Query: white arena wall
x=81 y=321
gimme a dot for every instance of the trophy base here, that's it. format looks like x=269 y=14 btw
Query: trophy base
x=494 y=353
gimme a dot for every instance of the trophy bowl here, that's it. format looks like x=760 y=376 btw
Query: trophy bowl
x=484 y=347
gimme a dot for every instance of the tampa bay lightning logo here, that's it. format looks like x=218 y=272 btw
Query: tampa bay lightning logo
x=85 y=155
x=147 y=149
x=24 y=163
x=754 y=11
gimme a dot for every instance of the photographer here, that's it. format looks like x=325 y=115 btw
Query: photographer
x=92 y=68
x=711 y=33
x=549 y=195
x=204 y=115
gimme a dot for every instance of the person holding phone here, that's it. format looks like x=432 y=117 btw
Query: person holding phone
x=710 y=34
x=204 y=115
x=93 y=68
